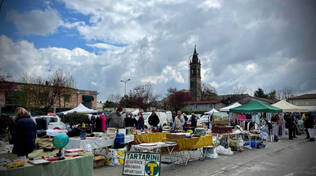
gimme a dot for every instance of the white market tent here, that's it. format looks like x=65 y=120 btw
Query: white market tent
x=80 y=109
x=309 y=108
x=226 y=109
x=211 y=111
x=288 y=107
x=135 y=112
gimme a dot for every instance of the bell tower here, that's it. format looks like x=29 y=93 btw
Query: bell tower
x=195 y=76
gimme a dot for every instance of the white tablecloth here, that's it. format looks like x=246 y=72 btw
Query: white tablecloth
x=95 y=142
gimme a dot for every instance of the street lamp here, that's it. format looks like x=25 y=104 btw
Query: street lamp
x=125 y=81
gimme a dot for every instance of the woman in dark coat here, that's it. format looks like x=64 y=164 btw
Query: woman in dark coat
x=309 y=125
x=140 y=122
x=193 y=121
x=24 y=133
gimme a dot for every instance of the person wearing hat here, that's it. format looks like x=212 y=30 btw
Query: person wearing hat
x=115 y=119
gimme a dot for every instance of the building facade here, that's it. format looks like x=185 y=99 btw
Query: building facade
x=18 y=94
x=303 y=100
x=195 y=76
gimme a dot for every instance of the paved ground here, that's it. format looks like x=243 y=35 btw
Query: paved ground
x=283 y=158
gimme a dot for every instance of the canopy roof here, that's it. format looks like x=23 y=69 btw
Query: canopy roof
x=255 y=106
x=220 y=114
x=211 y=111
x=288 y=107
x=80 y=109
x=309 y=108
x=226 y=109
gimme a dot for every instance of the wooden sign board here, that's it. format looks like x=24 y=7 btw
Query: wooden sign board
x=142 y=164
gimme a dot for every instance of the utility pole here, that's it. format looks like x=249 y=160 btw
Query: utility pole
x=125 y=81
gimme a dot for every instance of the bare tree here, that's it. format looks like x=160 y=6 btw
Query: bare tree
x=4 y=76
x=208 y=91
x=115 y=98
x=176 y=99
x=142 y=97
x=240 y=90
x=285 y=93
x=46 y=92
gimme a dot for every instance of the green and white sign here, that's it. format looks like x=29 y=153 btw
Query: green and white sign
x=141 y=164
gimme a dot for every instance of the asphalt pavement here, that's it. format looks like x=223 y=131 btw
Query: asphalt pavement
x=283 y=158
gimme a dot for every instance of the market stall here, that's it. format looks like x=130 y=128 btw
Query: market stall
x=150 y=137
x=255 y=106
x=79 y=166
x=80 y=109
x=211 y=111
x=96 y=142
x=227 y=108
x=288 y=107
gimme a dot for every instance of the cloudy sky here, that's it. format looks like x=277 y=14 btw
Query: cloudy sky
x=241 y=43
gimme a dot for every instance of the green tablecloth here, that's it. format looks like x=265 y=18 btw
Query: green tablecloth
x=82 y=165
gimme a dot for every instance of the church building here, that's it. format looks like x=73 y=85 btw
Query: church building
x=195 y=76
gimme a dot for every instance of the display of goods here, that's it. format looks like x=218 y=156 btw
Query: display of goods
x=175 y=135
x=114 y=157
x=111 y=130
x=17 y=163
x=76 y=150
x=220 y=118
x=200 y=131
x=129 y=131
x=222 y=129
x=121 y=131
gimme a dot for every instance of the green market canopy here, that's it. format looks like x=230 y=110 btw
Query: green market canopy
x=255 y=106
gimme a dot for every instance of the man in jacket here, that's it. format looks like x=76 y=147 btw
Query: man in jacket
x=309 y=125
x=153 y=119
x=115 y=119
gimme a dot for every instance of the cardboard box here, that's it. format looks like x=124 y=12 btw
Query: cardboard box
x=98 y=161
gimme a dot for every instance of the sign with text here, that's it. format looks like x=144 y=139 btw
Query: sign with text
x=141 y=164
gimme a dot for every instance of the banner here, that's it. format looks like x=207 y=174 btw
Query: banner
x=141 y=164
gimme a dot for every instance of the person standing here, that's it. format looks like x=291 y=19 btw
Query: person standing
x=309 y=124
x=290 y=126
x=24 y=133
x=304 y=118
x=193 y=121
x=115 y=119
x=129 y=120
x=153 y=120
x=275 y=127
x=140 y=122
x=177 y=125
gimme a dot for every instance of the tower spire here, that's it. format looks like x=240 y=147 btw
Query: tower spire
x=195 y=58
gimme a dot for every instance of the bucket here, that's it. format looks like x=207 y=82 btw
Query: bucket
x=254 y=144
x=119 y=139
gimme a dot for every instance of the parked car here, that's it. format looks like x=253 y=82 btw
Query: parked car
x=45 y=122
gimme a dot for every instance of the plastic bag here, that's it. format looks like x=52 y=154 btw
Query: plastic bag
x=210 y=152
x=87 y=148
x=223 y=151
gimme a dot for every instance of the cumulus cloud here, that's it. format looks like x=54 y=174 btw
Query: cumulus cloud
x=40 y=22
x=240 y=43
x=103 y=46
